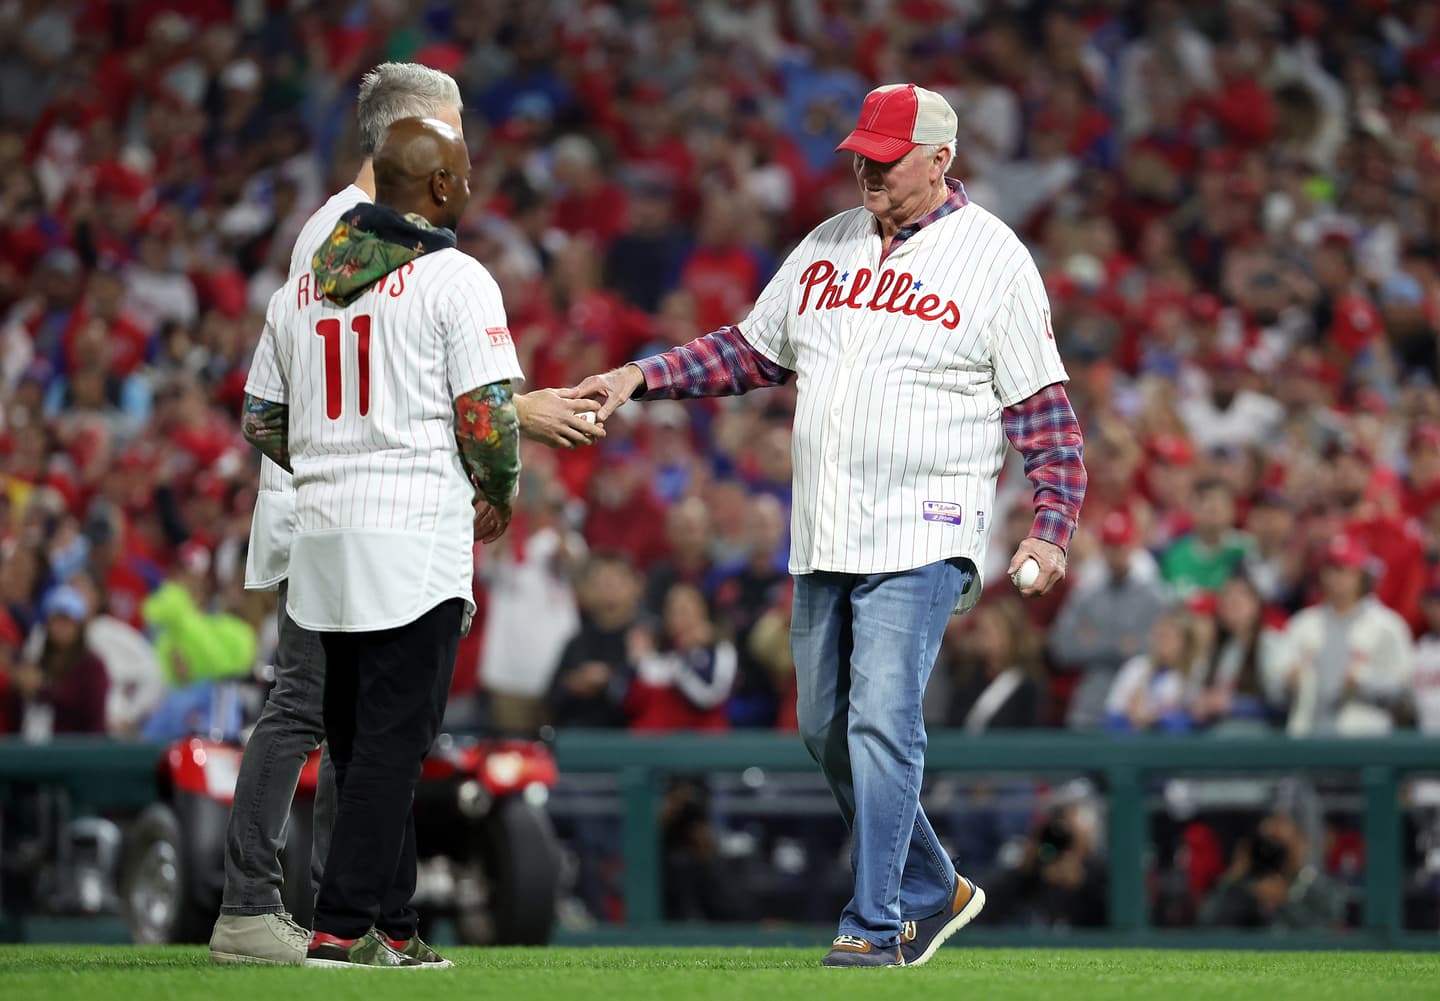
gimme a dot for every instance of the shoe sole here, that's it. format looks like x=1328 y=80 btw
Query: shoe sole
x=968 y=913
x=340 y=964
x=238 y=959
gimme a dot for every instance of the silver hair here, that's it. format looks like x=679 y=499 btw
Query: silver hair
x=934 y=148
x=392 y=91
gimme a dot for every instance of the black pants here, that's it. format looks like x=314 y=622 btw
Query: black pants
x=384 y=697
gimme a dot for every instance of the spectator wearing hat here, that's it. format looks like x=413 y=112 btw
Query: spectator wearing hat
x=1347 y=662
x=1105 y=622
x=1210 y=554
x=62 y=690
x=1368 y=511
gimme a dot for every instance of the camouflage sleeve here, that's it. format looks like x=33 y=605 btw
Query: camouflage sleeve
x=266 y=425
x=487 y=432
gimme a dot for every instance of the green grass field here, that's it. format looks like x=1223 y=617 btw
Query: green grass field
x=120 y=973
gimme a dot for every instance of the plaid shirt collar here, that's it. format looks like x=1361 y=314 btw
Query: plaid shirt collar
x=957 y=200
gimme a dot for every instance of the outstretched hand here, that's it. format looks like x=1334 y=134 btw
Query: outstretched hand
x=553 y=418
x=612 y=390
x=1051 y=559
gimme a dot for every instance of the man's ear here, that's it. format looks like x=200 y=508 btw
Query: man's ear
x=440 y=186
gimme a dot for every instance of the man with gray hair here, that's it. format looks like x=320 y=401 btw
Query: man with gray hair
x=254 y=926
x=919 y=330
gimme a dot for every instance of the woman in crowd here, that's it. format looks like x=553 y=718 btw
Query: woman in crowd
x=1150 y=691
x=683 y=683
x=1229 y=685
x=63 y=690
x=996 y=674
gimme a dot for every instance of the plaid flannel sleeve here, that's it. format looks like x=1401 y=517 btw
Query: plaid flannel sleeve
x=1043 y=428
x=721 y=363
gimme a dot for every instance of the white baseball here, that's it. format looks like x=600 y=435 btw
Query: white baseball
x=1027 y=575
x=588 y=416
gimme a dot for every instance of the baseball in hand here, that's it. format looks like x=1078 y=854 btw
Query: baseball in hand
x=588 y=416
x=1027 y=575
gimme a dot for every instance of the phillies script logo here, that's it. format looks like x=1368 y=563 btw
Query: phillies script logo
x=894 y=292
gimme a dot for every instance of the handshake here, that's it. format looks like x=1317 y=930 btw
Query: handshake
x=562 y=418
x=575 y=417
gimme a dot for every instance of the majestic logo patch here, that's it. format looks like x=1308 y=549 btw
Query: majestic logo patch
x=498 y=336
x=893 y=292
x=941 y=511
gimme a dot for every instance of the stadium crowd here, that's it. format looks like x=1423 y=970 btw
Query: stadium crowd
x=1236 y=206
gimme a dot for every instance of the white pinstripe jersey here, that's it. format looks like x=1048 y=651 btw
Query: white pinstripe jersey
x=903 y=367
x=383 y=516
x=272 y=523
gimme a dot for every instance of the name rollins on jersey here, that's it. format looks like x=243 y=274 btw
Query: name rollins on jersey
x=894 y=293
x=307 y=290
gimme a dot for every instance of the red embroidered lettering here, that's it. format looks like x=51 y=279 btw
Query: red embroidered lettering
x=926 y=307
x=818 y=273
x=302 y=291
x=887 y=278
x=951 y=319
x=903 y=282
x=862 y=279
x=498 y=335
x=400 y=274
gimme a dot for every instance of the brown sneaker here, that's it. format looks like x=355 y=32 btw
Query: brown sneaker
x=920 y=939
x=849 y=950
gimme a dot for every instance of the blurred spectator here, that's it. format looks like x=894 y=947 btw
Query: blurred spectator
x=593 y=675
x=1152 y=689
x=1425 y=698
x=643 y=262
x=1271 y=884
x=1274 y=565
x=531 y=613
x=743 y=593
x=135 y=685
x=681 y=683
x=1057 y=881
x=769 y=648
x=61 y=688
x=993 y=665
x=1229 y=687
x=196 y=650
x=1213 y=551
x=687 y=531
x=1105 y=623
x=624 y=512
x=1347 y=662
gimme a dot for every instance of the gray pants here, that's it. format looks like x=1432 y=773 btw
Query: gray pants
x=289 y=728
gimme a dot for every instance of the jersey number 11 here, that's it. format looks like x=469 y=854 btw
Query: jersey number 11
x=329 y=332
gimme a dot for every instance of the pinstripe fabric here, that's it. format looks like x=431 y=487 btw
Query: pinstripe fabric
x=383 y=520
x=267 y=559
x=906 y=362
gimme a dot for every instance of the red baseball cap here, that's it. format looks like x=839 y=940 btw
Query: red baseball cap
x=1118 y=528
x=1347 y=552
x=898 y=117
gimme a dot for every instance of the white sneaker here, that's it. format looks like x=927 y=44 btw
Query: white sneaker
x=273 y=939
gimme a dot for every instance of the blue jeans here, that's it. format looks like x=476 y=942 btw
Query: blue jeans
x=864 y=646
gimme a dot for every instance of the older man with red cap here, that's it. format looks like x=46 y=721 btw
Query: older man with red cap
x=919 y=331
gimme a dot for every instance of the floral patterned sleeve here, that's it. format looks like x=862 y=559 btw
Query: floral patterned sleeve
x=487 y=432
